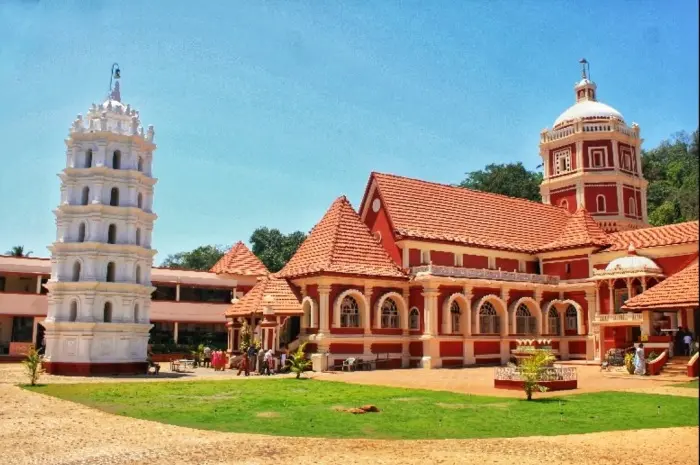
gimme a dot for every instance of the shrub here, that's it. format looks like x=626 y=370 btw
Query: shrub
x=32 y=365
x=629 y=363
x=531 y=369
x=298 y=362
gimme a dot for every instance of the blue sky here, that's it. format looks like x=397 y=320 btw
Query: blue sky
x=265 y=112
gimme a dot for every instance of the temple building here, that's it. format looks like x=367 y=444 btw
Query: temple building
x=430 y=275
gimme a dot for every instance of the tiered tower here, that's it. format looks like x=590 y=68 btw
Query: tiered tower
x=591 y=158
x=100 y=288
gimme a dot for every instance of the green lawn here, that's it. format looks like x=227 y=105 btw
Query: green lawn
x=308 y=408
x=690 y=384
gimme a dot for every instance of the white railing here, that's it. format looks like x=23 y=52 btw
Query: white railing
x=628 y=316
x=479 y=273
x=579 y=126
x=545 y=374
x=626 y=271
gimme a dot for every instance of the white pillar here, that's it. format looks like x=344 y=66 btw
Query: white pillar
x=177 y=292
x=323 y=295
x=467 y=324
x=367 y=317
x=405 y=256
x=38 y=284
x=175 y=331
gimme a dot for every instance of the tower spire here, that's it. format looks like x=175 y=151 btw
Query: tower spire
x=114 y=92
x=584 y=65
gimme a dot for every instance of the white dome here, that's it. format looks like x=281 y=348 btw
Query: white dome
x=588 y=109
x=632 y=262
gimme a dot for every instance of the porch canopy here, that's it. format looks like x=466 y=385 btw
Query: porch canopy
x=677 y=292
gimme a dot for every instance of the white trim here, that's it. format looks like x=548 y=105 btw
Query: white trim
x=400 y=304
x=501 y=309
x=310 y=320
x=361 y=301
x=534 y=308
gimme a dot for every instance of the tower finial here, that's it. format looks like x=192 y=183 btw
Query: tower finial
x=114 y=93
x=584 y=64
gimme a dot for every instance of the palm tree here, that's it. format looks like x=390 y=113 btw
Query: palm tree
x=18 y=251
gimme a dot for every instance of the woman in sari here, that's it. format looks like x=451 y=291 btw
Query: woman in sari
x=640 y=363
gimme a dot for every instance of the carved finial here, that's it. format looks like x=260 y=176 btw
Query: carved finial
x=151 y=133
x=584 y=64
x=114 y=93
x=134 y=125
x=631 y=249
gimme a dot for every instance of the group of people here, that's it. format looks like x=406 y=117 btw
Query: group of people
x=215 y=359
x=263 y=360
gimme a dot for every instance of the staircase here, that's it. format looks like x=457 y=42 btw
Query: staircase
x=676 y=367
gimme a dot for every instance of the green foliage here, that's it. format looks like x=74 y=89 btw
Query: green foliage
x=273 y=248
x=298 y=363
x=511 y=179
x=629 y=363
x=247 y=337
x=32 y=365
x=202 y=258
x=531 y=368
x=198 y=354
x=672 y=172
x=18 y=251
x=244 y=406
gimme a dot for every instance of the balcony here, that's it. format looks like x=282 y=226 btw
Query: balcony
x=479 y=273
x=617 y=318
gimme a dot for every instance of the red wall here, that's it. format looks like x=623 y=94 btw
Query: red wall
x=340 y=348
x=672 y=265
x=507 y=264
x=442 y=258
x=622 y=148
x=573 y=157
x=415 y=299
x=578 y=268
x=487 y=347
x=380 y=222
x=531 y=267
x=598 y=143
x=475 y=261
x=577 y=347
x=568 y=194
x=591 y=191
x=385 y=348
x=450 y=349
x=415 y=348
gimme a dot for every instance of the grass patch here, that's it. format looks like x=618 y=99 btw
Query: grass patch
x=289 y=407
x=690 y=384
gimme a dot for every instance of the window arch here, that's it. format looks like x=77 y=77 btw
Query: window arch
x=633 y=206
x=138 y=274
x=489 y=321
x=114 y=197
x=138 y=236
x=309 y=320
x=414 y=319
x=390 y=314
x=73 y=314
x=455 y=314
x=571 y=316
x=88 y=158
x=564 y=204
x=107 y=314
x=117 y=160
x=85 y=198
x=76 y=271
x=349 y=313
x=600 y=203
x=110 y=272
x=554 y=321
x=525 y=323
x=136 y=313
x=112 y=234
x=139 y=200
x=81 y=232
x=139 y=164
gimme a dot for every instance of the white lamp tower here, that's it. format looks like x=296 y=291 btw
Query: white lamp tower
x=100 y=288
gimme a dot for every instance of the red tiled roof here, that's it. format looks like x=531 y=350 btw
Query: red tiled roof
x=341 y=243
x=286 y=299
x=581 y=230
x=678 y=291
x=672 y=234
x=241 y=261
x=426 y=210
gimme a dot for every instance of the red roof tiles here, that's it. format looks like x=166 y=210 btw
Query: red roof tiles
x=426 y=210
x=285 y=298
x=678 y=291
x=341 y=243
x=241 y=261
x=672 y=234
x=580 y=231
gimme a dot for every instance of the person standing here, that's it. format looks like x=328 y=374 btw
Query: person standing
x=640 y=363
x=283 y=360
x=688 y=343
x=252 y=351
x=267 y=363
x=243 y=365
x=207 y=357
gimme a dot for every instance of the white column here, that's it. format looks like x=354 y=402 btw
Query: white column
x=38 y=284
x=323 y=295
x=405 y=256
x=579 y=155
x=467 y=323
x=620 y=201
x=367 y=317
x=177 y=292
x=176 y=330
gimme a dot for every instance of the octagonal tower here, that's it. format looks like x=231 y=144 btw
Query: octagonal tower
x=100 y=289
x=591 y=158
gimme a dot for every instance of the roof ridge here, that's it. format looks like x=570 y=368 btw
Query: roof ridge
x=342 y=200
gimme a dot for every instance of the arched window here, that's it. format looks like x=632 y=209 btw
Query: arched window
x=88 y=158
x=414 y=319
x=81 y=232
x=525 y=323
x=107 y=316
x=112 y=234
x=455 y=313
x=564 y=204
x=571 y=316
x=114 y=197
x=136 y=313
x=633 y=207
x=138 y=274
x=110 y=272
x=554 y=321
x=85 y=198
x=390 y=314
x=489 y=321
x=76 y=271
x=349 y=313
x=117 y=160
x=138 y=236
x=73 y=311
x=600 y=203
x=307 y=308
x=139 y=165
x=139 y=200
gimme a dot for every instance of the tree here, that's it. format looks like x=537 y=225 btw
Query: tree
x=510 y=179
x=18 y=251
x=672 y=172
x=273 y=248
x=298 y=363
x=531 y=369
x=202 y=258
x=32 y=365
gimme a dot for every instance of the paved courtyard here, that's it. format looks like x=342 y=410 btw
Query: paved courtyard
x=43 y=430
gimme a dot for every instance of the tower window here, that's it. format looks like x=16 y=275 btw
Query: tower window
x=600 y=203
x=139 y=165
x=562 y=161
x=139 y=200
x=136 y=313
x=564 y=204
x=88 y=158
x=85 y=196
x=73 y=311
x=112 y=234
x=107 y=316
x=117 y=160
x=138 y=274
x=632 y=207
x=76 y=272
x=138 y=236
x=110 y=272
x=114 y=197
x=81 y=232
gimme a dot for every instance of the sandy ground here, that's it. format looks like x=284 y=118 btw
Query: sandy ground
x=38 y=429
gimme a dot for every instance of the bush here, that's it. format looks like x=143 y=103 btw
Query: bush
x=531 y=369
x=32 y=365
x=629 y=363
x=298 y=362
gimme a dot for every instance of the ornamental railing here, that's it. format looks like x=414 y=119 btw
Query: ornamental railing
x=609 y=317
x=619 y=270
x=480 y=273
x=582 y=126
x=545 y=374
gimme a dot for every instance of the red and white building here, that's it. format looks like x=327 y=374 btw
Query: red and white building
x=432 y=275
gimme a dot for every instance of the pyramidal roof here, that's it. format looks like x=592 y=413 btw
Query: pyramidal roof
x=241 y=261
x=341 y=244
x=284 y=298
x=581 y=230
